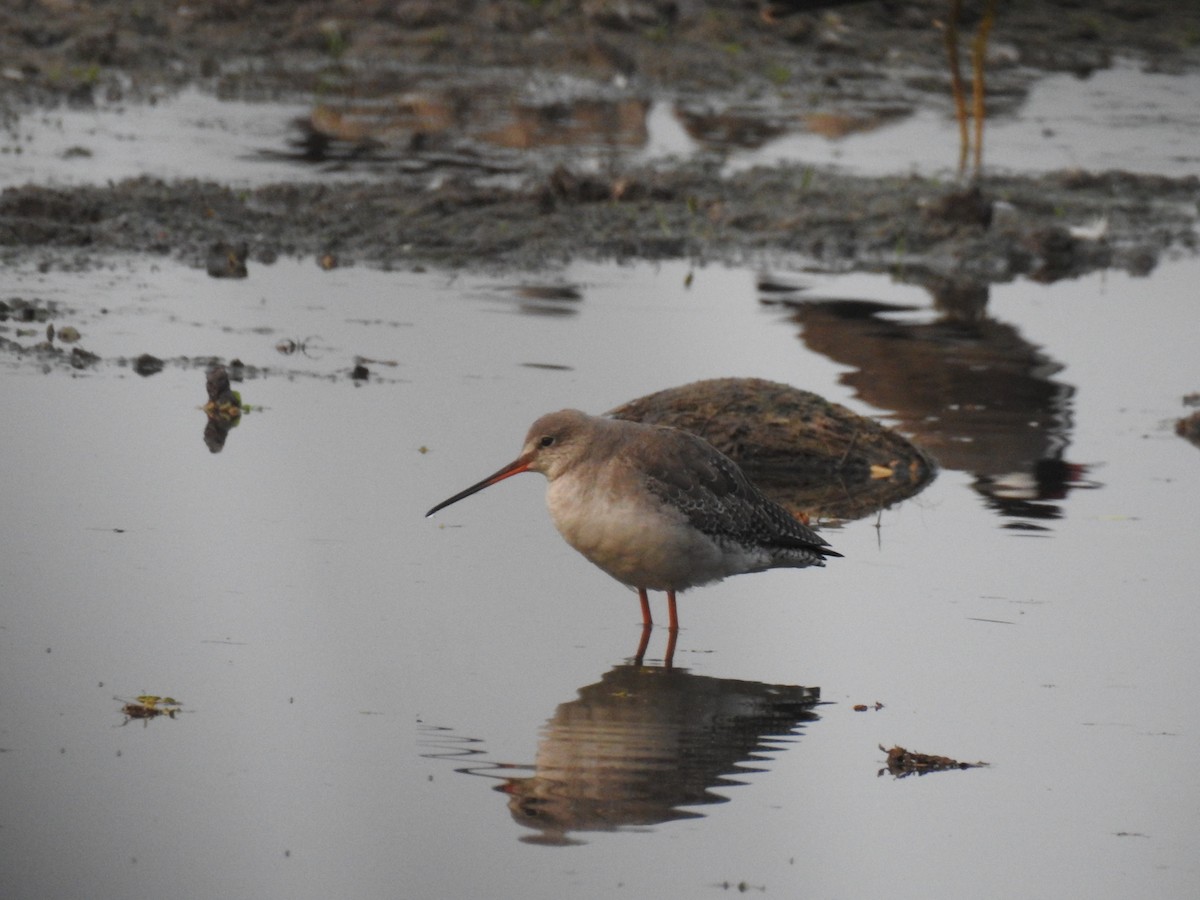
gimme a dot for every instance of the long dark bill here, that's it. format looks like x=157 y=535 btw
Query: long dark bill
x=516 y=467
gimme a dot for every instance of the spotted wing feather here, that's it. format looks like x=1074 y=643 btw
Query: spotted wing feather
x=719 y=500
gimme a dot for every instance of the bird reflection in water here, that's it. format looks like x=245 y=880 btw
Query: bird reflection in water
x=969 y=389
x=645 y=746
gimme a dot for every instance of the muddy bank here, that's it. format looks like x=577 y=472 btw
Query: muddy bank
x=1018 y=226
x=73 y=50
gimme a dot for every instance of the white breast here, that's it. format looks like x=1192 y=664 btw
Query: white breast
x=637 y=540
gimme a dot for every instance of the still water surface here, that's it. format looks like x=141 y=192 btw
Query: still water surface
x=357 y=680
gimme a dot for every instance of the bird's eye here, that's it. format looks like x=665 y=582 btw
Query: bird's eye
x=546 y=441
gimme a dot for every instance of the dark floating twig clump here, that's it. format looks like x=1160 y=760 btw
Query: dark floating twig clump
x=901 y=763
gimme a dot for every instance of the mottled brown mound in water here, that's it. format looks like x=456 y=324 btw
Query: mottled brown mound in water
x=813 y=456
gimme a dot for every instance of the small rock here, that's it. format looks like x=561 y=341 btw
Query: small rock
x=81 y=359
x=1189 y=428
x=146 y=365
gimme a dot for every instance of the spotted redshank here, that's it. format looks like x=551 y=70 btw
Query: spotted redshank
x=654 y=507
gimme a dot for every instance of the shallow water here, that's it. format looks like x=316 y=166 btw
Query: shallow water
x=355 y=679
x=1118 y=118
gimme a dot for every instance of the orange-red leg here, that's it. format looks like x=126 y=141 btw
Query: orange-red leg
x=669 y=656
x=646 y=620
x=674 y=619
x=642 y=644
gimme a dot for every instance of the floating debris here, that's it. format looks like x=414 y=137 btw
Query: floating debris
x=223 y=401
x=742 y=887
x=901 y=763
x=288 y=346
x=1189 y=428
x=149 y=706
x=224 y=408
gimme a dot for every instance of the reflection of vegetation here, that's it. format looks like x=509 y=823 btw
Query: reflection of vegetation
x=149 y=706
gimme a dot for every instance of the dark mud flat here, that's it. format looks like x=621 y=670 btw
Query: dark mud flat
x=841 y=222
x=56 y=50
x=864 y=63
